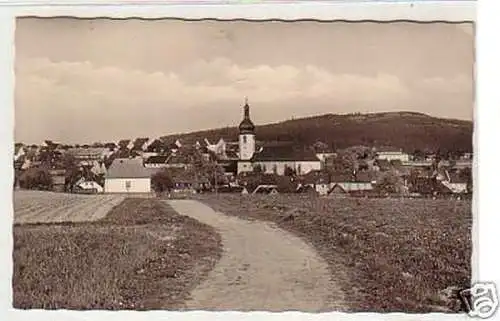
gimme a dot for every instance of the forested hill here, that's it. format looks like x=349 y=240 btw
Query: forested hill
x=406 y=130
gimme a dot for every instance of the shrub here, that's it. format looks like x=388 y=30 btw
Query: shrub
x=162 y=181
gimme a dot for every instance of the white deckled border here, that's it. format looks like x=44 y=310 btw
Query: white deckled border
x=287 y=10
x=487 y=116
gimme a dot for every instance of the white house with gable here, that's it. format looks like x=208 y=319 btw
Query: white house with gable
x=128 y=175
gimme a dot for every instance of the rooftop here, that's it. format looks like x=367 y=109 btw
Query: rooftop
x=129 y=168
x=156 y=160
x=285 y=153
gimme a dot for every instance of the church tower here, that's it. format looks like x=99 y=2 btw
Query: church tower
x=247 y=134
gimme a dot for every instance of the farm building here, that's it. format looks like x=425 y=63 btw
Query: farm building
x=391 y=153
x=87 y=156
x=188 y=181
x=128 y=175
x=337 y=191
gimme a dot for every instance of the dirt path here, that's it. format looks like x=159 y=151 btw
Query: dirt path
x=262 y=268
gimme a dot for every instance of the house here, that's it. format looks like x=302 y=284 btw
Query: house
x=128 y=175
x=456 y=186
x=318 y=180
x=125 y=144
x=19 y=163
x=87 y=156
x=174 y=147
x=466 y=156
x=391 y=153
x=463 y=163
x=219 y=149
x=146 y=155
x=323 y=152
x=141 y=144
x=266 y=189
x=48 y=144
x=19 y=151
x=454 y=182
x=98 y=168
x=156 y=162
x=352 y=182
x=418 y=163
x=188 y=180
x=337 y=191
x=156 y=146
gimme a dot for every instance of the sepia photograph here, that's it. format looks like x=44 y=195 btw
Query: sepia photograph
x=237 y=165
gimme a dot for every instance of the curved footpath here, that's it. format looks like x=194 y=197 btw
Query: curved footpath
x=262 y=268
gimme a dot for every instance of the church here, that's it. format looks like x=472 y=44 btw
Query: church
x=271 y=157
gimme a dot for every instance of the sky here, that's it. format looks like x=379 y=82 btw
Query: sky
x=82 y=81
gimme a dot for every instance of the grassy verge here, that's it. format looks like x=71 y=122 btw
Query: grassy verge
x=143 y=255
x=399 y=255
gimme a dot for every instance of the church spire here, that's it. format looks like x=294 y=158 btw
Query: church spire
x=246 y=125
x=246 y=109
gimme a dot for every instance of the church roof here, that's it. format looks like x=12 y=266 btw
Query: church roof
x=246 y=125
x=285 y=153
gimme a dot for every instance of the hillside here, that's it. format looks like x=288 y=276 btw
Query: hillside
x=406 y=130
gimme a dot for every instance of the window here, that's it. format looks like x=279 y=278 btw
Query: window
x=128 y=184
x=244 y=139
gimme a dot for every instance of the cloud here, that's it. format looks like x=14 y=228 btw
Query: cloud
x=68 y=98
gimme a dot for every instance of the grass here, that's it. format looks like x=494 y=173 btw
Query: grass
x=142 y=255
x=406 y=255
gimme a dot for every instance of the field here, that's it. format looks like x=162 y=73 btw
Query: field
x=408 y=255
x=49 y=207
x=141 y=255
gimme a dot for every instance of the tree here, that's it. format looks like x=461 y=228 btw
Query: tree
x=391 y=183
x=419 y=155
x=342 y=162
x=35 y=178
x=97 y=144
x=466 y=174
x=257 y=168
x=289 y=171
x=162 y=181
x=363 y=166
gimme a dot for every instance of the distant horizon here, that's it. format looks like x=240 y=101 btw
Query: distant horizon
x=84 y=80
x=104 y=141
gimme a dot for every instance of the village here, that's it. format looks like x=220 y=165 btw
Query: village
x=248 y=166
